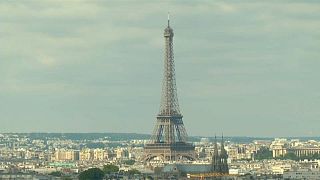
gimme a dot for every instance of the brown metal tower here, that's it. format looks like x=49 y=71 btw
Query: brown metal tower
x=169 y=139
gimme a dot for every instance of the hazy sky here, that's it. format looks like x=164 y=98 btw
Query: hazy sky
x=247 y=68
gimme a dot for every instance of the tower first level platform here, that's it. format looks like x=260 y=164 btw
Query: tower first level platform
x=169 y=152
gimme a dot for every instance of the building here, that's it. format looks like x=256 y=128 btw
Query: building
x=305 y=151
x=29 y=176
x=219 y=162
x=65 y=155
x=308 y=174
x=217 y=168
x=280 y=147
x=86 y=154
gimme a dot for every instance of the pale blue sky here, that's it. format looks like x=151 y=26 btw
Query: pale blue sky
x=247 y=68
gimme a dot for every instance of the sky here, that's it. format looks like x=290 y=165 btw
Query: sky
x=243 y=68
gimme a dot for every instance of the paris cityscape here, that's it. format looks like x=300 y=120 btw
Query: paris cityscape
x=95 y=90
x=42 y=155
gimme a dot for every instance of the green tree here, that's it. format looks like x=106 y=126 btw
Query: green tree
x=133 y=172
x=56 y=174
x=66 y=178
x=149 y=178
x=110 y=168
x=129 y=162
x=291 y=155
x=263 y=153
x=315 y=156
x=91 y=174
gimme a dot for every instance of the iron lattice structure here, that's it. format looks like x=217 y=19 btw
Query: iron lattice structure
x=169 y=138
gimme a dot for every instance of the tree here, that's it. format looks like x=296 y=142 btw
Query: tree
x=133 y=172
x=56 y=174
x=315 y=156
x=291 y=155
x=66 y=178
x=149 y=178
x=110 y=168
x=263 y=153
x=129 y=162
x=91 y=174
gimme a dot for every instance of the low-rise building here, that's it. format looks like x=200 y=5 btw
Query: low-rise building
x=309 y=174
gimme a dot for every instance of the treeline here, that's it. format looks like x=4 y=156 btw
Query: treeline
x=87 y=136
x=107 y=171
x=263 y=153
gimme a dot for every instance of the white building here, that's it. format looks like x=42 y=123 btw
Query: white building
x=309 y=174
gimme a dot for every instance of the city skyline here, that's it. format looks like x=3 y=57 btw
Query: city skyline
x=243 y=68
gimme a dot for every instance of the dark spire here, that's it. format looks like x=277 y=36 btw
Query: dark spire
x=215 y=157
x=219 y=160
x=223 y=158
x=215 y=145
x=168 y=19
x=222 y=142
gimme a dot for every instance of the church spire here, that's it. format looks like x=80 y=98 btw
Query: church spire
x=222 y=142
x=223 y=157
x=168 y=19
x=215 y=157
x=219 y=160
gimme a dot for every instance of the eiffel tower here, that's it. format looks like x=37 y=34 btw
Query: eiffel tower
x=169 y=138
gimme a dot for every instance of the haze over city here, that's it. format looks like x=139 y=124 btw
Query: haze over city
x=244 y=68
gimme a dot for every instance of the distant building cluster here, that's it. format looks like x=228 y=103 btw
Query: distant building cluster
x=22 y=153
x=41 y=155
x=281 y=147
